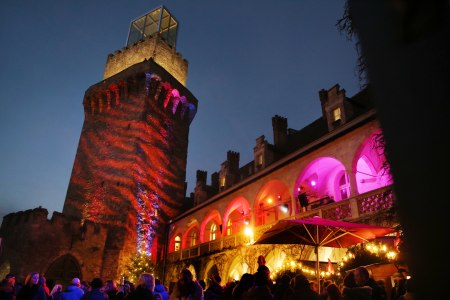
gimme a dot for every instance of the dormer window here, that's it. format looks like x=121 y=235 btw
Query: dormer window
x=336 y=114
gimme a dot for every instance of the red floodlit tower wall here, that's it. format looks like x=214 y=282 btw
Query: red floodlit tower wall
x=130 y=168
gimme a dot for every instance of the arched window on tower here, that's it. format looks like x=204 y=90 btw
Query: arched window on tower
x=177 y=243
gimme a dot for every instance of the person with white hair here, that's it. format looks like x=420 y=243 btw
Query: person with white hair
x=144 y=289
x=73 y=291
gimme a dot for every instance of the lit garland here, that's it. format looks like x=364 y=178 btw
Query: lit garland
x=377 y=250
x=147 y=221
x=293 y=267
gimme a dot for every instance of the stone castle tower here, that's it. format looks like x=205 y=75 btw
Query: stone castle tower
x=130 y=168
x=129 y=173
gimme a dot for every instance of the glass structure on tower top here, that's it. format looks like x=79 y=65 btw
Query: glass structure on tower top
x=159 y=20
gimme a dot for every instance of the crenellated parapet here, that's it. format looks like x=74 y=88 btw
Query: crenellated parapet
x=38 y=218
x=109 y=95
x=153 y=47
x=36 y=215
x=35 y=235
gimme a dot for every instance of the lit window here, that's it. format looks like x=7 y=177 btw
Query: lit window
x=336 y=114
x=193 y=239
x=222 y=182
x=229 y=229
x=212 y=235
x=177 y=243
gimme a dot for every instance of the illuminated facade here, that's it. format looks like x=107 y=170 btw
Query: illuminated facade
x=338 y=160
x=127 y=188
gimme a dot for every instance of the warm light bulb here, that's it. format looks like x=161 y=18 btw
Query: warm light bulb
x=248 y=231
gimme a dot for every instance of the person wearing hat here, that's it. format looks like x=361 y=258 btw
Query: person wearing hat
x=73 y=291
x=215 y=290
x=7 y=287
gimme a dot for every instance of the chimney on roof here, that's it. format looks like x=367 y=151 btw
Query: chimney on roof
x=279 y=126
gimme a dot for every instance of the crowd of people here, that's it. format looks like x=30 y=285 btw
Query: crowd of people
x=35 y=287
x=357 y=285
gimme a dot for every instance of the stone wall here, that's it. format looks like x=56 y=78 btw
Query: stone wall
x=32 y=243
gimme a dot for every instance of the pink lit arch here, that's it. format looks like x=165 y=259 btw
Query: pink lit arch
x=238 y=212
x=371 y=172
x=187 y=236
x=272 y=203
x=324 y=177
x=211 y=216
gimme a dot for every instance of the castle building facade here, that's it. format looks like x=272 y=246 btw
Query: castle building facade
x=338 y=161
x=127 y=189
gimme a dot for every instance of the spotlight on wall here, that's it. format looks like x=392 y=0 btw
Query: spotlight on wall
x=284 y=208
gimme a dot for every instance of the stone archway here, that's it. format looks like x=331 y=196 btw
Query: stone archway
x=213 y=270
x=64 y=269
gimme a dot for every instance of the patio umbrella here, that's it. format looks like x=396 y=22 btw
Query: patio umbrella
x=320 y=232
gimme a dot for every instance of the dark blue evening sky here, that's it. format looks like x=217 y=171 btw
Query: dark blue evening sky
x=248 y=61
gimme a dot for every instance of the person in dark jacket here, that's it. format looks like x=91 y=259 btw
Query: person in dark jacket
x=7 y=287
x=31 y=289
x=215 y=290
x=96 y=292
x=161 y=289
x=144 y=289
x=362 y=278
x=301 y=289
x=187 y=287
x=73 y=291
x=399 y=287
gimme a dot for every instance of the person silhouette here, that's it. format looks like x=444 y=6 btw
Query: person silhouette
x=302 y=198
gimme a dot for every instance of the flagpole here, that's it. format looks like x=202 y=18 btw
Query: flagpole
x=316 y=249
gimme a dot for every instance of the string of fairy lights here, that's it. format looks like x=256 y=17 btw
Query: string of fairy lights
x=378 y=249
x=141 y=263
